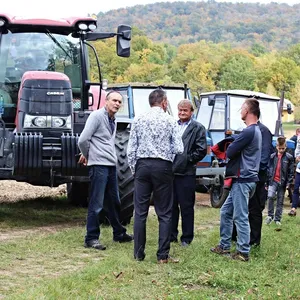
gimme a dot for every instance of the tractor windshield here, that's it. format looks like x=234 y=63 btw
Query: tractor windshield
x=224 y=114
x=27 y=51
x=141 y=100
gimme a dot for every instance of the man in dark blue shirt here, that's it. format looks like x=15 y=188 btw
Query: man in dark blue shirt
x=244 y=155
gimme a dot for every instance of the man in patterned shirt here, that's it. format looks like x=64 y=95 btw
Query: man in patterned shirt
x=154 y=141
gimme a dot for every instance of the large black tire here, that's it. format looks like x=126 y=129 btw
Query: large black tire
x=125 y=177
x=78 y=193
x=218 y=194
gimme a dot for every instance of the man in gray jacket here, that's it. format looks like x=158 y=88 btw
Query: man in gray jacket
x=97 y=145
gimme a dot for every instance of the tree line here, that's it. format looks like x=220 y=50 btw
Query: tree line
x=205 y=66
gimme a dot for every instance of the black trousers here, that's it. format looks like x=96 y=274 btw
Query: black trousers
x=184 y=198
x=153 y=176
x=256 y=206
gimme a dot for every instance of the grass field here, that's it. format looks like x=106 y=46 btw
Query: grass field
x=42 y=257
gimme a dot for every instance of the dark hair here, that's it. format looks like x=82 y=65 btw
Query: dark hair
x=185 y=102
x=281 y=141
x=157 y=97
x=111 y=92
x=253 y=106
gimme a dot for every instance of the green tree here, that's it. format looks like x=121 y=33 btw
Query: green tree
x=237 y=71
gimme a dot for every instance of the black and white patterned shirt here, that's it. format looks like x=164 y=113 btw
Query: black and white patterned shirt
x=154 y=134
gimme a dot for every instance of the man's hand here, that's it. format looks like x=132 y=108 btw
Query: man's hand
x=82 y=160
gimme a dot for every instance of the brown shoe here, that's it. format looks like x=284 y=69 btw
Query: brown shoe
x=219 y=250
x=240 y=256
x=292 y=213
x=168 y=260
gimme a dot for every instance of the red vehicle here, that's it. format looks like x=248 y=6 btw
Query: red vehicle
x=46 y=96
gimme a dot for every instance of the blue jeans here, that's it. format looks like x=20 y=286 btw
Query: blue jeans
x=104 y=185
x=275 y=189
x=235 y=209
x=296 y=191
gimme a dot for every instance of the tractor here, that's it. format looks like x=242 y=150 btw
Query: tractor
x=219 y=113
x=46 y=96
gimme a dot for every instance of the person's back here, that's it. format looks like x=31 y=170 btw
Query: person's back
x=155 y=131
x=154 y=141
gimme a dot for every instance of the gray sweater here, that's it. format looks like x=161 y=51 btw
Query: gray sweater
x=96 y=142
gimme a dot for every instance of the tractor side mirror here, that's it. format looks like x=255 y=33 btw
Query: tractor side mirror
x=289 y=108
x=123 y=40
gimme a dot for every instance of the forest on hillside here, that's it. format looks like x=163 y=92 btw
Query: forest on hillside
x=204 y=66
x=271 y=26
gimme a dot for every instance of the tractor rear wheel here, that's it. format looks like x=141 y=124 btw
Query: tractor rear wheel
x=125 y=177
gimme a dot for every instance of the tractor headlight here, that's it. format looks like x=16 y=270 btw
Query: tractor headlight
x=39 y=122
x=92 y=26
x=64 y=122
x=82 y=26
x=57 y=122
x=2 y=22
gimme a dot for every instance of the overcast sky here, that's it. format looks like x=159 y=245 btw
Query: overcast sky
x=65 y=8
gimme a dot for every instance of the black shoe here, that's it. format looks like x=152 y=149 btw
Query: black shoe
x=94 y=244
x=139 y=258
x=174 y=241
x=125 y=238
x=184 y=244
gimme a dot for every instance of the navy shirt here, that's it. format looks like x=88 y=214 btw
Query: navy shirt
x=247 y=145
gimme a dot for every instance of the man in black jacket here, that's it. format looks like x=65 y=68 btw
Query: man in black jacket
x=184 y=167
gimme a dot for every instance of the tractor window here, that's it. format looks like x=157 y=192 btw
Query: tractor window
x=218 y=116
x=28 y=51
x=268 y=110
x=204 y=113
x=235 y=122
x=124 y=110
x=141 y=100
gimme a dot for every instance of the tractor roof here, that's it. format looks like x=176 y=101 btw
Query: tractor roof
x=145 y=85
x=244 y=93
x=61 y=26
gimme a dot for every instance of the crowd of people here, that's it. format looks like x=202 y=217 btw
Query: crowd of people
x=162 y=155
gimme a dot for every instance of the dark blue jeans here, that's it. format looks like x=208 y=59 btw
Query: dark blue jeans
x=296 y=191
x=103 y=188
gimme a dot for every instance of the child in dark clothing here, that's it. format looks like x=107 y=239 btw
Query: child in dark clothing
x=281 y=171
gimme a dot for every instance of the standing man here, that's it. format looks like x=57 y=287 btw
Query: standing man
x=258 y=201
x=97 y=145
x=154 y=141
x=244 y=158
x=184 y=167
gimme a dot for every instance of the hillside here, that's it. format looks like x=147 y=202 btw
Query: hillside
x=273 y=26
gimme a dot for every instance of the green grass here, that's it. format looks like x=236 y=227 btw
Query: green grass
x=55 y=265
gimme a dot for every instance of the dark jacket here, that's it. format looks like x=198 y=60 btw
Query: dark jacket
x=244 y=155
x=286 y=170
x=195 y=149
x=267 y=148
